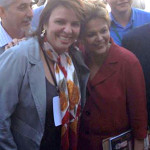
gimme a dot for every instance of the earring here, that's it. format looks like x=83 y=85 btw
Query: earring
x=43 y=33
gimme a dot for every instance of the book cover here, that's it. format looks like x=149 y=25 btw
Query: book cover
x=122 y=141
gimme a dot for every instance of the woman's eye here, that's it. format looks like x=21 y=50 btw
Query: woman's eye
x=91 y=35
x=76 y=24
x=60 y=22
x=104 y=31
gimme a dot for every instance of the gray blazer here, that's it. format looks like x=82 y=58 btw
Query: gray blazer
x=1 y=50
x=23 y=95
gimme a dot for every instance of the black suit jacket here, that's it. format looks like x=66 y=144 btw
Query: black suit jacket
x=138 y=41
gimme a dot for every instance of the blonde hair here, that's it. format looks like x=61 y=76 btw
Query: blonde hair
x=95 y=9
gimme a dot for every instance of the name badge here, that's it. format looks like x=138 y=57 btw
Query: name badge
x=57 y=111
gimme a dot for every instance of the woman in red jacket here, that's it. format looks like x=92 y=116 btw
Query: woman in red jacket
x=116 y=100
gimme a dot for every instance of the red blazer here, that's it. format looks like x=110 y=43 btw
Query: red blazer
x=116 y=100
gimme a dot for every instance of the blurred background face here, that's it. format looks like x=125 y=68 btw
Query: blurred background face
x=63 y=28
x=97 y=36
x=120 y=6
x=18 y=15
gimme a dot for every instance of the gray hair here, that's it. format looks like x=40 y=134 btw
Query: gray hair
x=6 y=3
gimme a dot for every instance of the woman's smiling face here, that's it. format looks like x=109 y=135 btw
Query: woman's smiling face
x=62 y=29
x=97 y=36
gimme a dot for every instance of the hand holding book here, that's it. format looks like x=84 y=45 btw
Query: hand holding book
x=138 y=144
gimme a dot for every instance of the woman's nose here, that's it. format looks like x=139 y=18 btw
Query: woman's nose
x=68 y=29
x=99 y=37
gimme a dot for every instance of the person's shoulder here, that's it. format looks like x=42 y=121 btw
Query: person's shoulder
x=140 y=11
x=26 y=45
x=21 y=54
x=138 y=32
x=124 y=55
x=140 y=17
x=22 y=49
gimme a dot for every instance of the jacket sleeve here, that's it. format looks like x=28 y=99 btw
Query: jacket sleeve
x=11 y=75
x=136 y=98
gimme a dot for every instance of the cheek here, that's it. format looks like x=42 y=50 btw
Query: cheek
x=107 y=37
x=88 y=42
x=76 y=31
x=50 y=35
x=52 y=31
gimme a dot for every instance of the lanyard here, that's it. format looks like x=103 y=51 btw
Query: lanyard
x=117 y=34
x=50 y=70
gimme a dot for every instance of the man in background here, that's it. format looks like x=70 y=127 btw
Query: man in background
x=138 y=42
x=36 y=17
x=16 y=16
x=125 y=18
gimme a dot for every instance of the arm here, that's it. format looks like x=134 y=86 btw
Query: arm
x=138 y=144
x=10 y=82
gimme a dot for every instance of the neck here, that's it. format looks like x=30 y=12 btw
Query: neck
x=122 y=17
x=14 y=32
x=97 y=60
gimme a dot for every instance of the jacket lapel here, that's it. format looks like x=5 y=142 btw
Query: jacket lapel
x=82 y=72
x=104 y=73
x=37 y=83
x=109 y=67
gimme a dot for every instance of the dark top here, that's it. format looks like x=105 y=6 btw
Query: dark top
x=138 y=42
x=52 y=135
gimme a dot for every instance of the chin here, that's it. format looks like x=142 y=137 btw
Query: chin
x=26 y=29
x=124 y=9
x=61 y=50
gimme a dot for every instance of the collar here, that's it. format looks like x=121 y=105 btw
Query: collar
x=130 y=23
x=34 y=51
x=5 y=38
x=112 y=57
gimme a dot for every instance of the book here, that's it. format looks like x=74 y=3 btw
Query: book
x=123 y=141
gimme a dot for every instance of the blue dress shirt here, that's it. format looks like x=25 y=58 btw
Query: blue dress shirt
x=36 y=16
x=138 y=18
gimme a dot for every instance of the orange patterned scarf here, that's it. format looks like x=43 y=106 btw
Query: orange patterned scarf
x=70 y=97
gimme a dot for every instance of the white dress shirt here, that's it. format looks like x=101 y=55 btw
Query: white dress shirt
x=4 y=36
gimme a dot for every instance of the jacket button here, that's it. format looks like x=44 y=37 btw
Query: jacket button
x=87 y=132
x=87 y=113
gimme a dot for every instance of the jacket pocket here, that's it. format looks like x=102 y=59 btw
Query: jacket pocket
x=25 y=130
